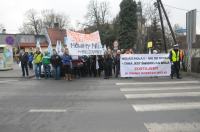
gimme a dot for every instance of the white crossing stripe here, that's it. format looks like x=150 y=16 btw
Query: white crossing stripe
x=162 y=95
x=173 y=127
x=7 y=81
x=47 y=110
x=158 y=89
x=166 y=106
x=149 y=83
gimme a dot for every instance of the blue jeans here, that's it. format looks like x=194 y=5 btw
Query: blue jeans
x=38 y=70
x=57 y=72
x=47 y=70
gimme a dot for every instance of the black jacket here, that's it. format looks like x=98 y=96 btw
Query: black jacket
x=23 y=58
x=56 y=60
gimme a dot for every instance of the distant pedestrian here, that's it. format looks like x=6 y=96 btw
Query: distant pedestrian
x=24 y=63
x=56 y=62
x=46 y=65
x=38 y=62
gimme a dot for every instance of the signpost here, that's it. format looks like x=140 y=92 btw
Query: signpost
x=150 y=46
x=191 y=34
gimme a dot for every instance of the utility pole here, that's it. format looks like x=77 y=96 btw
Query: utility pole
x=168 y=22
x=162 y=25
x=160 y=9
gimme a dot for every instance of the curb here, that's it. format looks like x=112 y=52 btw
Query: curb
x=195 y=75
x=17 y=77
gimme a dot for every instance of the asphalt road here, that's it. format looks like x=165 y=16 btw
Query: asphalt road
x=98 y=105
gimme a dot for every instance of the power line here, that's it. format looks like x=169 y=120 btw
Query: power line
x=182 y=9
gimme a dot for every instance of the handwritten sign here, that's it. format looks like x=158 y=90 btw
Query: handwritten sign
x=145 y=65
x=84 y=44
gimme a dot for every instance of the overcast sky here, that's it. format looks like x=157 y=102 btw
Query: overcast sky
x=12 y=11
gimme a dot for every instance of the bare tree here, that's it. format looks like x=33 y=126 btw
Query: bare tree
x=151 y=13
x=33 y=23
x=49 y=17
x=98 y=13
x=62 y=20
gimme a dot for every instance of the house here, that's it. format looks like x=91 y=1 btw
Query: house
x=28 y=41
x=23 y=41
x=56 y=35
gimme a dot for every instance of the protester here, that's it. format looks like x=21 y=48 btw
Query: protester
x=46 y=65
x=84 y=68
x=110 y=63
x=38 y=62
x=100 y=63
x=30 y=60
x=127 y=52
x=106 y=66
x=76 y=66
x=114 y=65
x=67 y=62
x=117 y=63
x=24 y=63
x=94 y=66
x=89 y=65
x=56 y=62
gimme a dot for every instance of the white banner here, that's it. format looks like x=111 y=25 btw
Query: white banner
x=84 y=44
x=145 y=65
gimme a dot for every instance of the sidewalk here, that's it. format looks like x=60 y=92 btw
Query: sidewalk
x=15 y=73
x=195 y=75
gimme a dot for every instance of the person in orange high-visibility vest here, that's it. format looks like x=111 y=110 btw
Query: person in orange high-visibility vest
x=182 y=57
x=175 y=59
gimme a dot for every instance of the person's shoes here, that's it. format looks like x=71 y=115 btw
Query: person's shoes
x=179 y=77
x=171 y=77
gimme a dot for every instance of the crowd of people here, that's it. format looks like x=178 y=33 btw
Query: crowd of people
x=64 y=66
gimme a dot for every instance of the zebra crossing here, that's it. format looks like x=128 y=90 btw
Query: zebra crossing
x=174 y=96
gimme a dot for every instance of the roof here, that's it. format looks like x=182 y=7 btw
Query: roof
x=33 y=44
x=56 y=34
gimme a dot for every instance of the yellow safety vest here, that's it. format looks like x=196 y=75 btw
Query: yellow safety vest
x=175 y=57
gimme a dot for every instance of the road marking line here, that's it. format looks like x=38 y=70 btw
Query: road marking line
x=149 y=83
x=47 y=110
x=166 y=106
x=7 y=81
x=158 y=89
x=162 y=95
x=173 y=127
